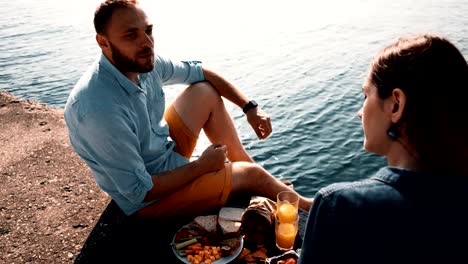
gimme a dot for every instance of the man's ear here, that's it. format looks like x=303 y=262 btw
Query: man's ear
x=398 y=100
x=102 y=41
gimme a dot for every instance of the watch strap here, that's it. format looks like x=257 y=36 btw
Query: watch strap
x=251 y=104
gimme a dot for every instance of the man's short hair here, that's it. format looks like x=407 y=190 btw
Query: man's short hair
x=104 y=12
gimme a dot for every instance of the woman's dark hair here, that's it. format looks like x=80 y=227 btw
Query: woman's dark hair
x=433 y=74
x=105 y=10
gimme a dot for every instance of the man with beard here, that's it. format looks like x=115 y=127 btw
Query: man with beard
x=138 y=150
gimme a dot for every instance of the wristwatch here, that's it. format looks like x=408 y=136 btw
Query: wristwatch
x=251 y=104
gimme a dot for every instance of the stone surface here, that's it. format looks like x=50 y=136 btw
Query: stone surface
x=49 y=201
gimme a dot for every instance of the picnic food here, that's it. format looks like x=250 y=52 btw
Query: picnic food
x=197 y=254
x=287 y=261
x=258 y=220
x=195 y=244
x=228 y=229
x=223 y=225
x=207 y=238
x=207 y=222
x=258 y=256
x=231 y=213
x=229 y=222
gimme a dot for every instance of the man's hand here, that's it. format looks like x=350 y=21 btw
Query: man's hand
x=165 y=183
x=213 y=158
x=260 y=122
x=257 y=118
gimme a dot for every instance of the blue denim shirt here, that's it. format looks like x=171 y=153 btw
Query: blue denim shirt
x=118 y=128
x=397 y=216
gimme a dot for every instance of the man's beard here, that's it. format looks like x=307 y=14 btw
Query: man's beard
x=126 y=64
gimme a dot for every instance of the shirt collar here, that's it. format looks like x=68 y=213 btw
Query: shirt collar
x=124 y=82
x=392 y=175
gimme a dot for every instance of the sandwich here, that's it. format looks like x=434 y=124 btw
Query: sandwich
x=207 y=225
x=229 y=222
x=223 y=229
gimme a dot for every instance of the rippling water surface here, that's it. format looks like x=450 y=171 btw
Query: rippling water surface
x=303 y=61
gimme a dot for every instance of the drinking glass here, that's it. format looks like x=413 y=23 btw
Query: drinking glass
x=285 y=233
x=287 y=206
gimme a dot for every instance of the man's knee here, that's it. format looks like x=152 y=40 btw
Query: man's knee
x=195 y=105
x=205 y=91
x=247 y=175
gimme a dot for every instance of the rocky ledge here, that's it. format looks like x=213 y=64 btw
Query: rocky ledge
x=49 y=202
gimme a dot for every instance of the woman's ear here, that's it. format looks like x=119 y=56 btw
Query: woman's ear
x=398 y=99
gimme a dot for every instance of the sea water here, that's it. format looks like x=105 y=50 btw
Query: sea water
x=304 y=62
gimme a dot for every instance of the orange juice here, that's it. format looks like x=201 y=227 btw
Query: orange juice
x=285 y=235
x=287 y=213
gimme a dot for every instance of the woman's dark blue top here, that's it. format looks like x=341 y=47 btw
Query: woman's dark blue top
x=397 y=216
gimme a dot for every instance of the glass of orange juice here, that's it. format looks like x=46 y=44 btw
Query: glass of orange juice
x=287 y=205
x=285 y=233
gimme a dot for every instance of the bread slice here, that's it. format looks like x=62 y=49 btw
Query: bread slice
x=231 y=213
x=207 y=222
x=228 y=228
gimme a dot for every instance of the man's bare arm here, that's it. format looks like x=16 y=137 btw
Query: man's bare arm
x=257 y=118
x=225 y=88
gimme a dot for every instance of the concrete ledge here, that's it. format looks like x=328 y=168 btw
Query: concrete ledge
x=117 y=238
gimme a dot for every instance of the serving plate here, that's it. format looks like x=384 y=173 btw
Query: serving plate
x=223 y=260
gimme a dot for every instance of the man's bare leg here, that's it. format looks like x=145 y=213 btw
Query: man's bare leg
x=201 y=107
x=253 y=179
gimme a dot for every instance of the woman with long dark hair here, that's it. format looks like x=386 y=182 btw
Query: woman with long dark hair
x=415 y=113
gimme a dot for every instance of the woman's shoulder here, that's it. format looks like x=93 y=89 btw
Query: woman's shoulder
x=345 y=187
x=371 y=190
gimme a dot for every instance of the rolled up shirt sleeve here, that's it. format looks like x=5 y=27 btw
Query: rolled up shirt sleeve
x=115 y=159
x=179 y=72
